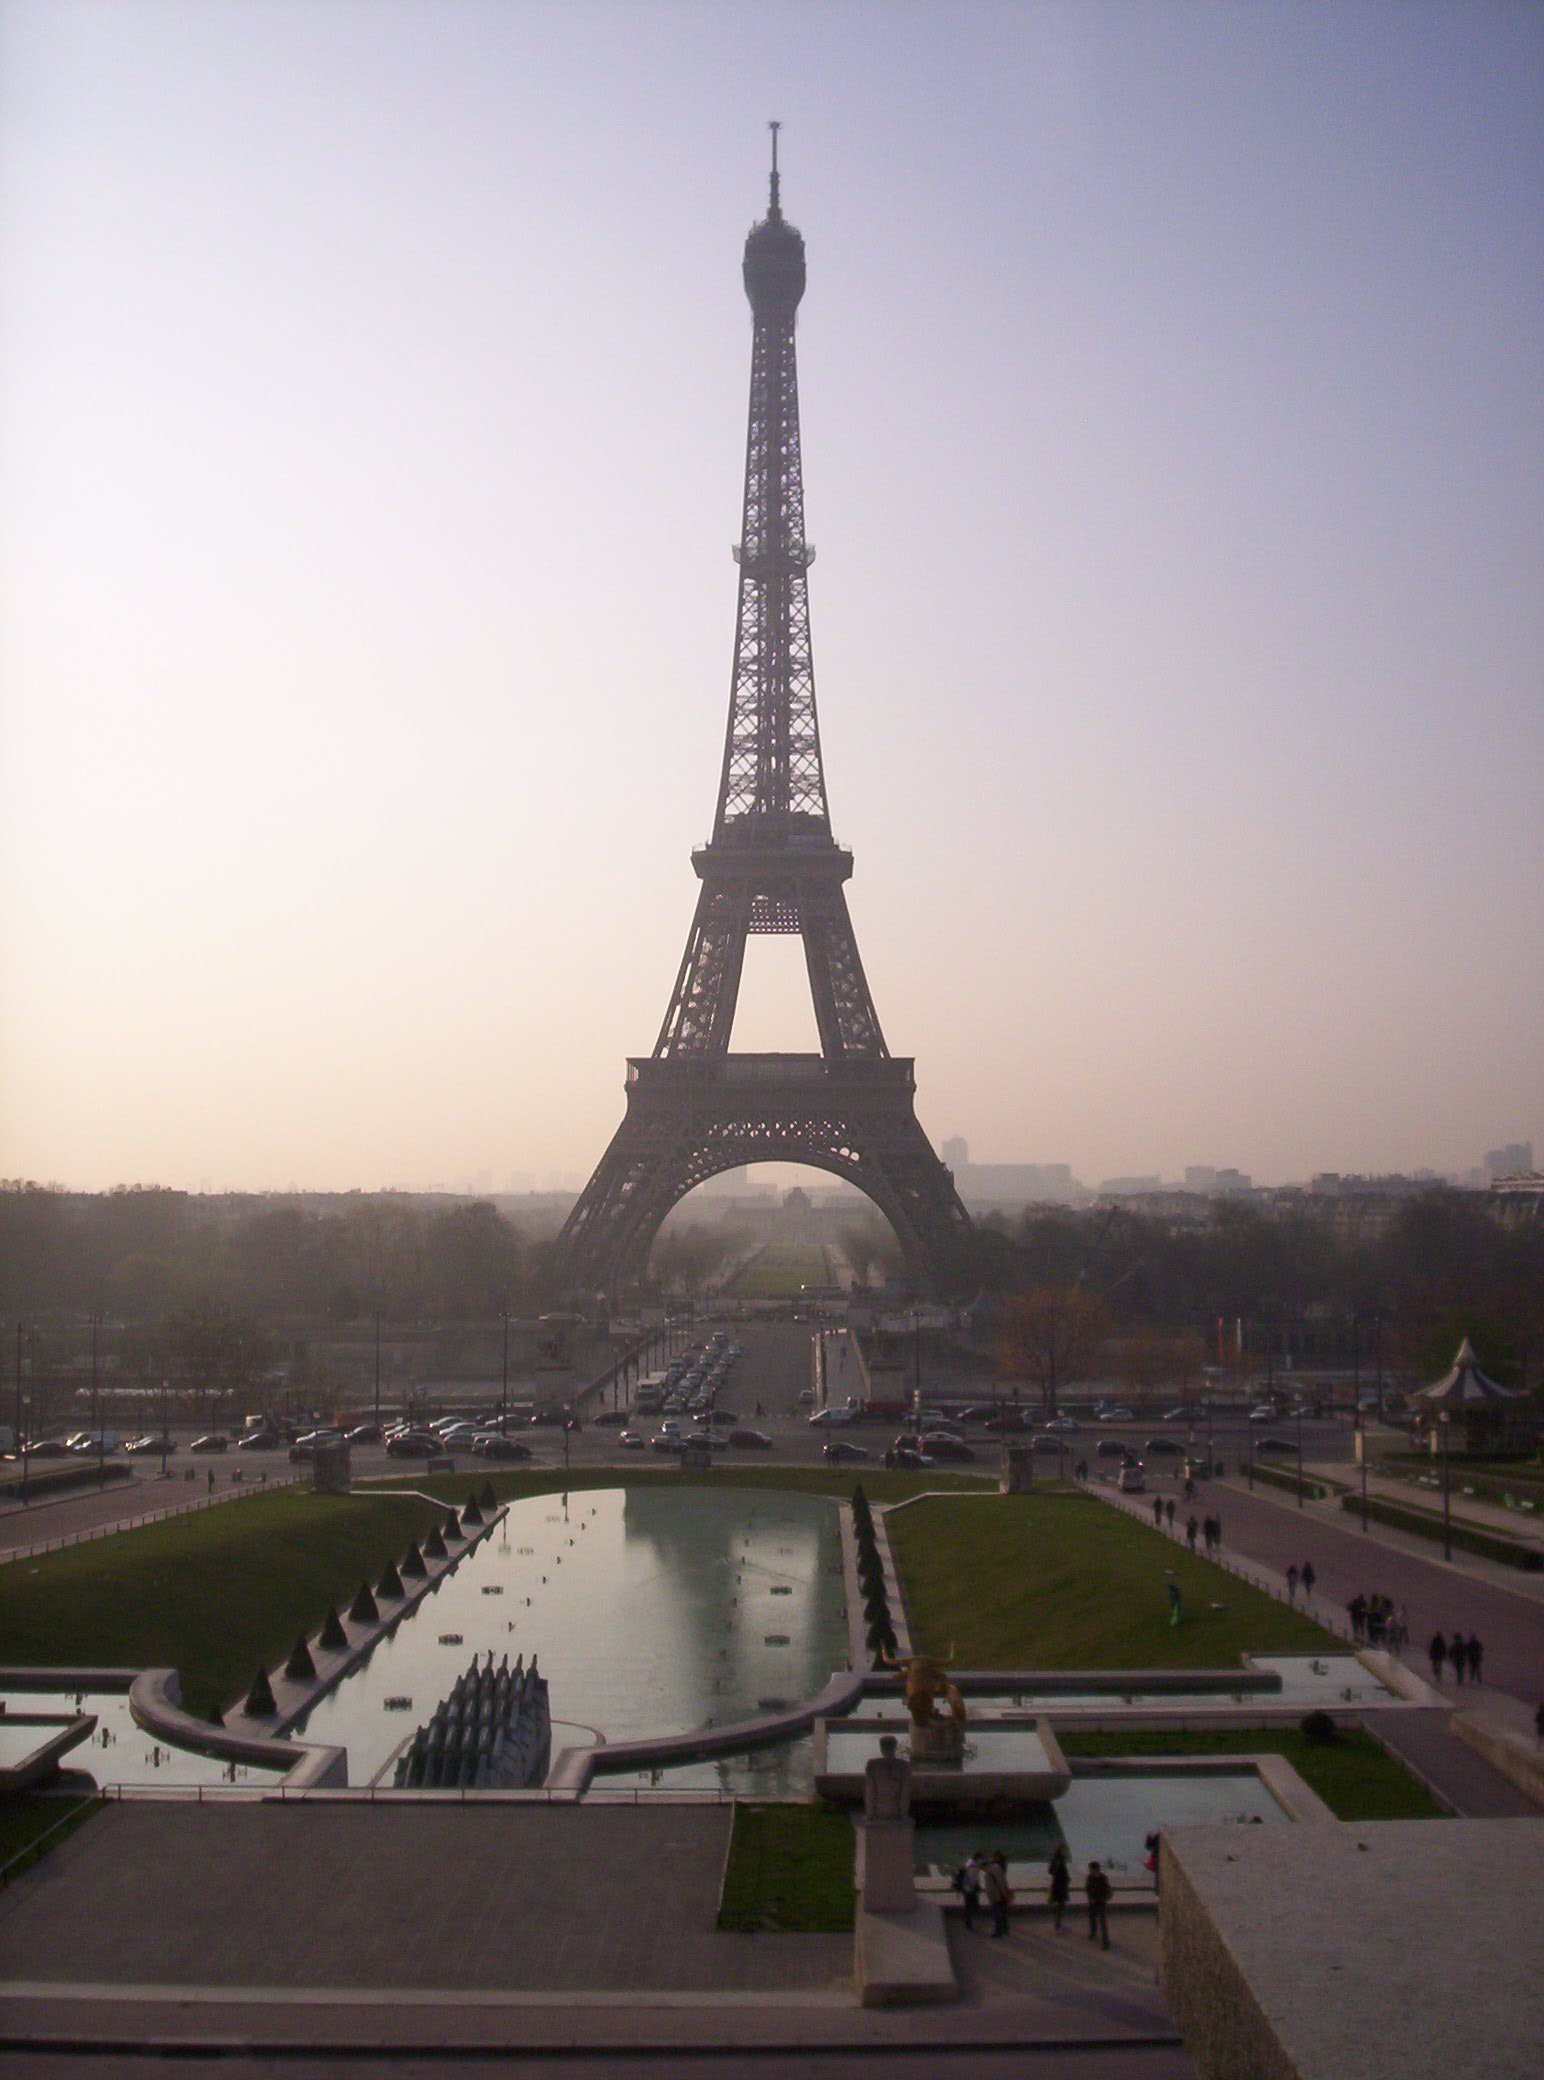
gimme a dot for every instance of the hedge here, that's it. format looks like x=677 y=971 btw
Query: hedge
x=1488 y=1545
x=54 y=1480
x=1273 y=1477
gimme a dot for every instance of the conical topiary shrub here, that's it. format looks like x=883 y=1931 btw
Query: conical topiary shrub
x=363 y=1609
x=413 y=1563
x=332 y=1636
x=452 y=1525
x=471 y=1514
x=300 y=1668
x=487 y=1498
x=390 y=1583
x=260 y=1704
x=434 y=1545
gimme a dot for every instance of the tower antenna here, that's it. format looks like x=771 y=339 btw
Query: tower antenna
x=776 y=205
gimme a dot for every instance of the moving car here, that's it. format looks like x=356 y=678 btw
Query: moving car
x=365 y=1433
x=1110 y=1448
x=839 y=1448
x=1117 y=1415
x=1272 y=1448
x=214 y=1442
x=633 y=1440
x=141 y=1447
x=414 y=1444
x=953 y=1448
x=829 y=1417
x=493 y=1446
x=1009 y=1419
x=906 y=1458
x=307 y=1447
x=258 y=1441
x=1168 y=1447
x=1130 y=1480
x=611 y=1419
x=750 y=1440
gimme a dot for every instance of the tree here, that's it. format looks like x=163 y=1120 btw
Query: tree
x=1049 y=1335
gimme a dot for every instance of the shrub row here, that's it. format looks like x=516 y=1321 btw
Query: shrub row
x=1487 y=1545
x=1274 y=1477
x=879 y=1627
x=57 y=1480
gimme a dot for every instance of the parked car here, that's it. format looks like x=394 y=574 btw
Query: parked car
x=414 y=1444
x=750 y=1440
x=365 y=1433
x=1117 y=1415
x=1167 y=1447
x=611 y=1419
x=1109 y=1448
x=828 y=1418
x=258 y=1441
x=839 y=1448
x=53 y=1448
x=1272 y=1448
x=213 y=1442
x=1045 y=1443
x=141 y=1447
x=1263 y=1414
x=1130 y=1480
x=1065 y=1423
x=1007 y=1419
x=633 y=1440
x=906 y=1458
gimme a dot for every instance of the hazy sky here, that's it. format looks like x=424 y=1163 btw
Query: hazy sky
x=372 y=394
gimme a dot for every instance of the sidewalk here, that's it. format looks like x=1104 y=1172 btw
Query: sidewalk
x=1469 y=1510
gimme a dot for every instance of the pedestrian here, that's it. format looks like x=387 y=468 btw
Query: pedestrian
x=967 y=1883
x=1292 y=1582
x=1217 y=1531
x=1377 y=1618
x=999 y=1893
x=1158 y=1511
x=1307 y=1578
x=211 y=1480
x=1401 y=1632
x=1150 y=1857
x=1438 y=1652
x=1356 y=1611
x=1061 y=1882
x=1096 y=1888
x=1191 y=1528
x=1458 y=1656
x=1168 y=1510
x=1474 y=1653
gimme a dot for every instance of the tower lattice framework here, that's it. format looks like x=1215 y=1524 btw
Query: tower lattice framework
x=771 y=866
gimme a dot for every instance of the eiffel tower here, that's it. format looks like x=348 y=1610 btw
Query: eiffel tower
x=772 y=865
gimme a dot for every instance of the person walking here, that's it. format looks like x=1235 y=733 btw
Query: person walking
x=1438 y=1654
x=1096 y=1888
x=967 y=1883
x=1292 y=1583
x=1307 y=1578
x=1191 y=1528
x=999 y=1893
x=1216 y=1534
x=1158 y=1511
x=1474 y=1654
x=1356 y=1611
x=1061 y=1884
x=1458 y=1656
x=1168 y=1510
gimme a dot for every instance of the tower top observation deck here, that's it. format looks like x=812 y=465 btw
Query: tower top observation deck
x=774 y=257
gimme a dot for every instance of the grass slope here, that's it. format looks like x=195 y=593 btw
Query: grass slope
x=1354 y=1776
x=215 y=1594
x=1061 y=1580
x=789 y=1868
x=26 y=1816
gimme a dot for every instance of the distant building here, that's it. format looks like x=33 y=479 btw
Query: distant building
x=1514 y=1160
x=1202 y=1177
x=1129 y=1187
x=1009 y=1185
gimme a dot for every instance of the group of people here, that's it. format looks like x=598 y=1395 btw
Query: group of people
x=1462 y=1656
x=1207 y=1529
x=983 y=1880
x=1302 y=1578
x=1375 y=1621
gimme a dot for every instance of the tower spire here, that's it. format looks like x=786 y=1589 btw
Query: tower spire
x=775 y=209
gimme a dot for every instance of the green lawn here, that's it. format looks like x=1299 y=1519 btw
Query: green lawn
x=26 y=1815
x=789 y=1868
x=781 y=1271
x=215 y=1594
x=1353 y=1775
x=1061 y=1580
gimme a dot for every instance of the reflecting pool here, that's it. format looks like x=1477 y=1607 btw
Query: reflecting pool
x=650 y=1611
x=119 y=1752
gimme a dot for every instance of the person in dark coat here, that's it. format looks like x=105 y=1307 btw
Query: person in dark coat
x=1168 y=1510
x=1438 y=1653
x=1458 y=1657
x=1474 y=1654
x=1158 y=1511
x=1307 y=1578
x=1096 y=1887
x=1061 y=1884
x=999 y=1893
x=1191 y=1528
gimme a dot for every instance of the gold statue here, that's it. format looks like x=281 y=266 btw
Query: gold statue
x=926 y=1684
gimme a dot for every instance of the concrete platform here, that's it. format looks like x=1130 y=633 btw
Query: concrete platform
x=1389 y=1950
x=902 y=1960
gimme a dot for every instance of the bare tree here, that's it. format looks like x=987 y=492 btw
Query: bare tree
x=1049 y=1335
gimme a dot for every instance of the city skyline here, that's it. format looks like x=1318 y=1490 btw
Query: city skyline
x=1175 y=459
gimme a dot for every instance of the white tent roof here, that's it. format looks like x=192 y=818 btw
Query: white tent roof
x=1466 y=1386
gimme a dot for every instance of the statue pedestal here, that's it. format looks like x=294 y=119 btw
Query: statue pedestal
x=1018 y=1474
x=887 y=1881
x=937 y=1741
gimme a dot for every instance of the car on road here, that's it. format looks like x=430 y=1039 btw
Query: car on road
x=838 y=1449
x=749 y=1440
x=828 y=1418
x=1272 y=1448
x=1064 y=1423
x=213 y=1442
x=414 y=1444
x=365 y=1433
x=1174 y=1415
x=1045 y=1443
x=311 y=1443
x=906 y=1458
x=1263 y=1414
x=1130 y=1479
x=1200 y=1469
x=258 y=1441
x=1165 y=1447
x=1007 y=1419
x=633 y=1440
x=954 y=1448
x=666 y=1441
x=611 y=1419
x=1117 y=1415
x=141 y=1447
x=56 y=1448
x=494 y=1446
x=1110 y=1448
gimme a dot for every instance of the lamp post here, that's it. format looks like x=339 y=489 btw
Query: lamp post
x=504 y=1378
x=916 y=1364
x=377 y=1367
x=164 y=1439
x=23 y=1410
x=1300 y=1455
x=1445 y=1424
x=1361 y=1460
x=96 y=1404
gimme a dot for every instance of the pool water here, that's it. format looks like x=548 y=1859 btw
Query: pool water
x=1104 y=1817
x=650 y=1611
x=119 y=1752
x=1306 y=1680
x=987 y=1748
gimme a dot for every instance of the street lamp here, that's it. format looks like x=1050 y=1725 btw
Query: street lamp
x=1361 y=1458
x=164 y=1439
x=377 y=1366
x=1300 y=1454
x=96 y=1408
x=1445 y=1425
x=504 y=1377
